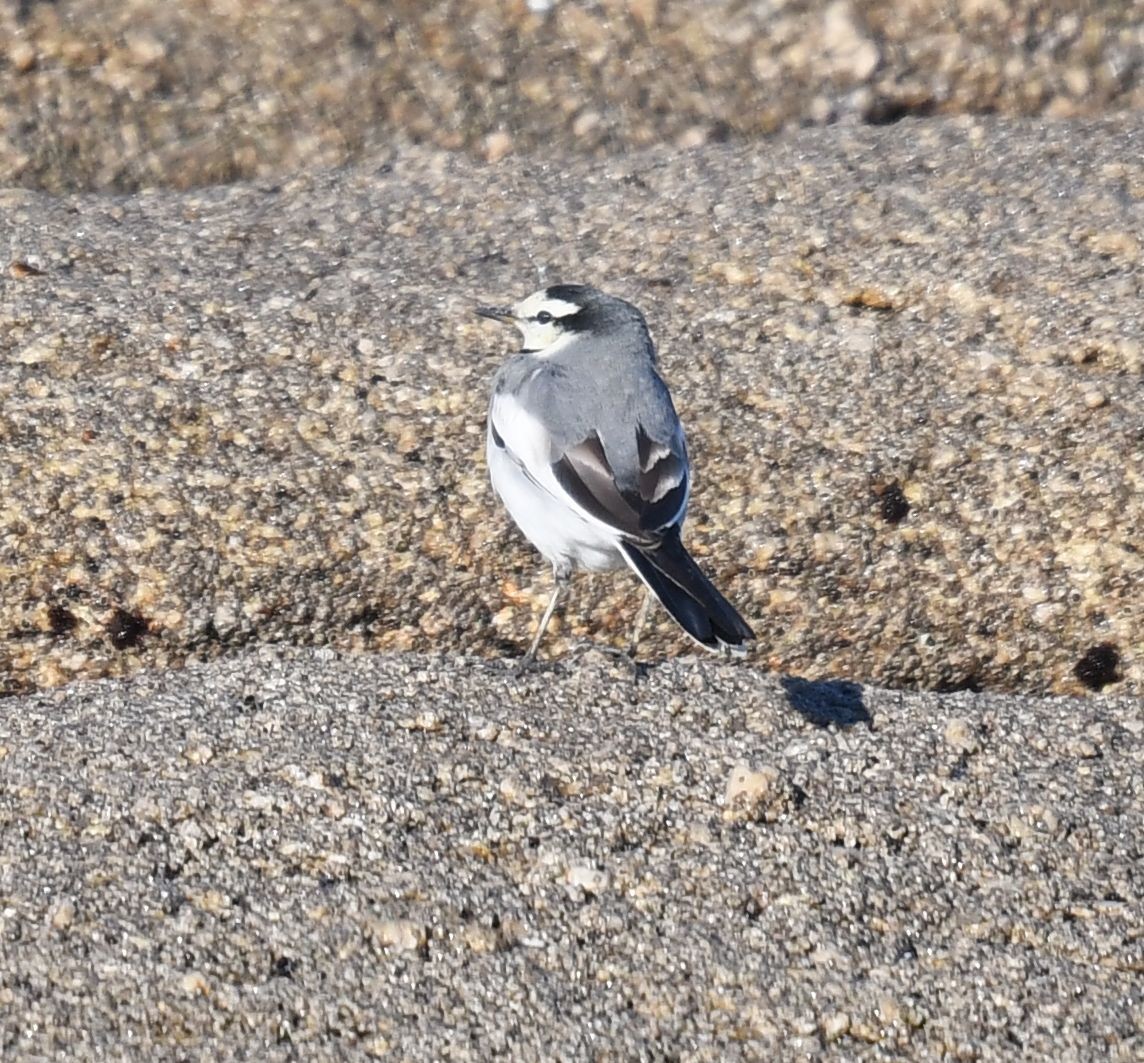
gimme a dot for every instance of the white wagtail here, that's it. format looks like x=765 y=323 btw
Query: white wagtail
x=587 y=453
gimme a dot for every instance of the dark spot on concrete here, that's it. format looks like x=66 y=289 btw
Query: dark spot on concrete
x=956 y=683
x=283 y=967
x=1099 y=666
x=892 y=503
x=886 y=110
x=366 y=617
x=61 y=620
x=249 y=703
x=126 y=629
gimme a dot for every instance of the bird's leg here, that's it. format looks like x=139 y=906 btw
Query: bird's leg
x=637 y=669
x=637 y=628
x=561 y=582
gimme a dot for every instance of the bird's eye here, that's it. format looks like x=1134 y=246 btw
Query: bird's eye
x=544 y=317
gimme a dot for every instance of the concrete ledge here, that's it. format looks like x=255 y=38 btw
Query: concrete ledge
x=295 y=853
x=908 y=360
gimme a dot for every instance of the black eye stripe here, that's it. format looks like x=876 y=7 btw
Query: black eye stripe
x=580 y=319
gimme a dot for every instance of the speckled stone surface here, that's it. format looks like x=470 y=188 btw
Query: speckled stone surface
x=120 y=94
x=908 y=359
x=298 y=855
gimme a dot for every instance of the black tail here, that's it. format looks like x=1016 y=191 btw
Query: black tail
x=688 y=595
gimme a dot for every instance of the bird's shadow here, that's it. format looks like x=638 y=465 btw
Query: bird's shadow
x=828 y=701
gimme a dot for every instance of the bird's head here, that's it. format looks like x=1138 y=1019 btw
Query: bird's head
x=550 y=318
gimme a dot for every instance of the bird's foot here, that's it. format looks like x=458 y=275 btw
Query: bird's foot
x=527 y=663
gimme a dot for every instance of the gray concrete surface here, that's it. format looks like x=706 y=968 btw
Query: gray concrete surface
x=294 y=854
x=909 y=361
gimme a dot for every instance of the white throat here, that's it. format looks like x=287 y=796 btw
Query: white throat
x=556 y=346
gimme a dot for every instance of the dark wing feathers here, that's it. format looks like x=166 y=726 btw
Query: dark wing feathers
x=583 y=472
x=642 y=512
x=663 y=481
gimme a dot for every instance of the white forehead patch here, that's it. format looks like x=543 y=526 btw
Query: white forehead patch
x=539 y=301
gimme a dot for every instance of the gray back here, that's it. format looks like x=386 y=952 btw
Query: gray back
x=604 y=381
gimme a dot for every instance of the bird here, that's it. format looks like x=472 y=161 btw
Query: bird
x=586 y=452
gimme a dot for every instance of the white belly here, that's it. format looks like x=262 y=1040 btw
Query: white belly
x=565 y=538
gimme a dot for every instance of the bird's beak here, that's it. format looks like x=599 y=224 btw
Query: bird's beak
x=498 y=313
